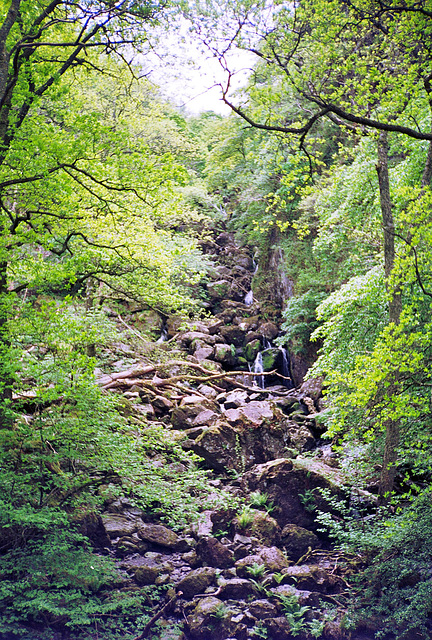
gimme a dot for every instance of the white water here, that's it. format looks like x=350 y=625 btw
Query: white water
x=163 y=335
x=258 y=368
x=249 y=298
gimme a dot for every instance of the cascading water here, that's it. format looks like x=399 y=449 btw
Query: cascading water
x=164 y=334
x=258 y=368
x=249 y=298
x=285 y=368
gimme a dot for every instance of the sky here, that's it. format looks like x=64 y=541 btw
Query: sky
x=190 y=76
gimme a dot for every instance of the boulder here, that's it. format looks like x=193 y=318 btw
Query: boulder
x=279 y=628
x=218 y=290
x=233 y=334
x=235 y=399
x=312 y=578
x=263 y=609
x=147 y=573
x=270 y=358
x=269 y=330
x=225 y=355
x=160 y=535
x=271 y=557
x=251 y=349
x=236 y=589
x=197 y=581
x=298 y=540
x=203 y=353
x=252 y=414
x=214 y=553
x=117 y=526
x=292 y=484
x=210 y=619
x=219 y=446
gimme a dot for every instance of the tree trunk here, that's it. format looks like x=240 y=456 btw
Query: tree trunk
x=6 y=379
x=392 y=435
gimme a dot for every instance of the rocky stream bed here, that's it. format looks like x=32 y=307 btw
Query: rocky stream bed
x=266 y=571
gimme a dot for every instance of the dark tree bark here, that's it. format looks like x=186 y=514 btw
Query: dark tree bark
x=392 y=431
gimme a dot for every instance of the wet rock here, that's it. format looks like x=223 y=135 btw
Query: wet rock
x=270 y=358
x=271 y=557
x=298 y=540
x=251 y=349
x=117 y=526
x=157 y=534
x=210 y=619
x=214 y=553
x=224 y=239
x=197 y=581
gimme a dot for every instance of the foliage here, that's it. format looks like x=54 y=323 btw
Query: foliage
x=394 y=582
x=300 y=320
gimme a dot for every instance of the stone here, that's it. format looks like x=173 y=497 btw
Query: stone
x=269 y=330
x=254 y=413
x=265 y=528
x=197 y=581
x=206 y=417
x=218 y=445
x=203 y=353
x=207 y=391
x=160 y=535
x=236 y=589
x=215 y=326
x=263 y=609
x=271 y=557
x=117 y=526
x=279 y=628
x=161 y=404
x=291 y=485
x=214 y=553
x=147 y=574
x=224 y=354
x=312 y=578
x=297 y=540
x=187 y=338
x=270 y=358
x=233 y=334
x=191 y=559
x=235 y=399
x=251 y=349
x=218 y=290
x=210 y=619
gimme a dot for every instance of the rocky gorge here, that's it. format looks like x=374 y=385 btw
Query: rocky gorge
x=260 y=567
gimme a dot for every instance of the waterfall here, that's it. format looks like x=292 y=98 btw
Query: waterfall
x=164 y=334
x=286 y=371
x=254 y=266
x=258 y=368
x=266 y=343
x=249 y=298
